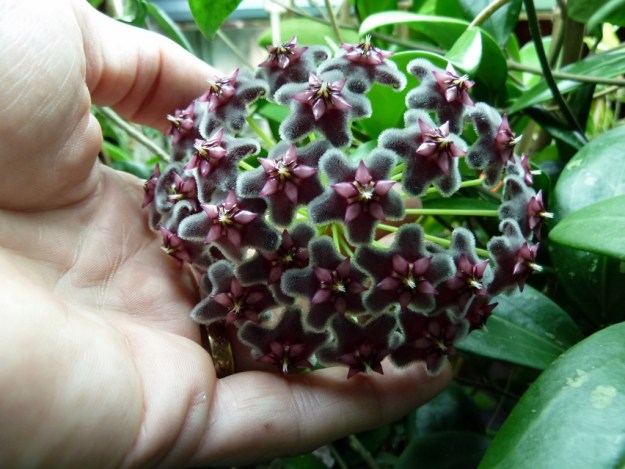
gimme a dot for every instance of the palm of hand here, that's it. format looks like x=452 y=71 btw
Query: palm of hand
x=104 y=363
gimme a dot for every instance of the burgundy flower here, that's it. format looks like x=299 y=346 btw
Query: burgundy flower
x=285 y=175
x=407 y=279
x=515 y=259
x=182 y=123
x=269 y=266
x=404 y=274
x=527 y=170
x=240 y=302
x=288 y=345
x=361 y=347
x=149 y=186
x=453 y=86
x=288 y=256
x=363 y=194
x=479 y=311
x=360 y=197
x=438 y=145
x=467 y=282
x=322 y=96
x=331 y=283
x=208 y=154
x=536 y=213
x=174 y=246
x=525 y=263
x=335 y=286
x=220 y=91
x=184 y=189
x=230 y=301
x=505 y=141
x=365 y=53
x=429 y=339
x=227 y=220
x=283 y=55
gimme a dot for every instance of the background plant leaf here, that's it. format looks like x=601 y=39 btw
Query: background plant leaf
x=434 y=451
x=599 y=10
x=606 y=65
x=526 y=329
x=210 y=14
x=572 y=415
x=598 y=228
x=167 y=26
x=308 y=32
x=593 y=282
x=501 y=24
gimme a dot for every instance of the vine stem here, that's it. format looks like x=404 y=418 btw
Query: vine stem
x=134 y=133
x=459 y=212
x=435 y=239
x=463 y=185
x=487 y=12
x=267 y=140
x=244 y=60
x=363 y=452
x=245 y=166
x=532 y=21
x=567 y=76
x=332 y=16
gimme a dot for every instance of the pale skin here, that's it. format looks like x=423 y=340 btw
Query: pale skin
x=101 y=365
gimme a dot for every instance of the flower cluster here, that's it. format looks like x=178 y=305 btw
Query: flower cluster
x=289 y=238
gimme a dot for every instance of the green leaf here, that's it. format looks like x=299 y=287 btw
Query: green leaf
x=459 y=203
x=571 y=417
x=134 y=13
x=210 y=14
x=606 y=65
x=594 y=12
x=388 y=105
x=451 y=410
x=444 y=450
x=526 y=328
x=501 y=24
x=479 y=55
x=598 y=228
x=368 y=7
x=168 y=26
x=96 y=3
x=611 y=12
x=305 y=461
x=593 y=282
x=308 y=32
x=441 y=30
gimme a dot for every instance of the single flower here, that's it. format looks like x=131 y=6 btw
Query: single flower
x=330 y=282
x=208 y=153
x=220 y=90
x=536 y=213
x=227 y=220
x=184 y=188
x=182 y=124
x=149 y=186
x=230 y=301
x=505 y=141
x=322 y=96
x=438 y=145
x=360 y=347
x=365 y=53
x=428 y=339
x=453 y=87
x=358 y=196
x=284 y=55
x=405 y=274
x=288 y=345
x=174 y=246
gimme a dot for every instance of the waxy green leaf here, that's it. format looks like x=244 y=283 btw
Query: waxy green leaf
x=527 y=329
x=598 y=228
x=572 y=416
x=168 y=26
x=594 y=282
x=210 y=14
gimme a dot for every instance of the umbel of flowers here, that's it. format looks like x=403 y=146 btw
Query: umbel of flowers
x=286 y=236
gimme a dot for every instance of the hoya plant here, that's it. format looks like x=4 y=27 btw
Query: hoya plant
x=413 y=182
x=286 y=237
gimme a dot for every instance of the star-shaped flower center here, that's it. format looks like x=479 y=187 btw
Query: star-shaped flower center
x=322 y=96
x=283 y=55
x=453 y=86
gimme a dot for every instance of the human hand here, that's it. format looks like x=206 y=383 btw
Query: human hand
x=101 y=363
